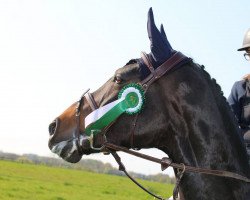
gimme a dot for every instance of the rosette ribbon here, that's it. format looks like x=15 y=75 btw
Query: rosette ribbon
x=130 y=100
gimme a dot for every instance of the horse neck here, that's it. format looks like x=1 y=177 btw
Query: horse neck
x=202 y=132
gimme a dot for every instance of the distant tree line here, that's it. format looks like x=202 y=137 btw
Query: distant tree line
x=86 y=165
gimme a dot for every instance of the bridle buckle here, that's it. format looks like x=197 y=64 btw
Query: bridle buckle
x=91 y=140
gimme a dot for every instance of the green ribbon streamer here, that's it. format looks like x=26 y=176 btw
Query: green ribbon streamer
x=131 y=100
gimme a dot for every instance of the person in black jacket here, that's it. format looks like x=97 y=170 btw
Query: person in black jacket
x=239 y=98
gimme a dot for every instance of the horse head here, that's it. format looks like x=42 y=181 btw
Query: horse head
x=64 y=129
x=184 y=114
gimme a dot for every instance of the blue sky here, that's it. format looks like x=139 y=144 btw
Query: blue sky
x=51 y=51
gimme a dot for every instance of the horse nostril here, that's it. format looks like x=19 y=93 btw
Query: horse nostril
x=52 y=127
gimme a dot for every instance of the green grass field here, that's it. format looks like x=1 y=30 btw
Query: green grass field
x=38 y=182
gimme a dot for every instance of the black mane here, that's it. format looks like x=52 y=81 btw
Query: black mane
x=229 y=119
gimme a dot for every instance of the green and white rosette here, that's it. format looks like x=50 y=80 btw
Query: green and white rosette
x=130 y=100
x=134 y=98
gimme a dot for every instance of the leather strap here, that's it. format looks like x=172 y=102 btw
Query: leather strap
x=123 y=169
x=185 y=168
x=155 y=75
x=147 y=61
x=161 y=70
x=91 y=101
x=132 y=132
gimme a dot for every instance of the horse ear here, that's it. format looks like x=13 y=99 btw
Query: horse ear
x=161 y=49
x=164 y=36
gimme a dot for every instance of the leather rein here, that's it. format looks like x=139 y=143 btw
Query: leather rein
x=165 y=162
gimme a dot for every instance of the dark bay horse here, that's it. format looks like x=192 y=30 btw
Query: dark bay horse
x=185 y=115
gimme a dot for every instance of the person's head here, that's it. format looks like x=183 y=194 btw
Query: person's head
x=246 y=45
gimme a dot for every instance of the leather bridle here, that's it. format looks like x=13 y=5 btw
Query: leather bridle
x=145 y=83
x=155 y=74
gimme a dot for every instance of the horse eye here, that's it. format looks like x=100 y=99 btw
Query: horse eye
x=118 y=79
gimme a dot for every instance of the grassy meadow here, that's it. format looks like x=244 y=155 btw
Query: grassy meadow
x=38 y=182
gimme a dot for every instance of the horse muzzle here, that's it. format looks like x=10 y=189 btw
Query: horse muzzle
x=71 y=150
